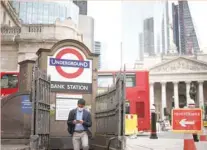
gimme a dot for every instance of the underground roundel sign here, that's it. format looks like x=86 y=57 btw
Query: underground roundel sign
x=70 y=71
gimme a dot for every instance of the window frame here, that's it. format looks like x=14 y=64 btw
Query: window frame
x=11 y=75
x=133 y=77
x=105 y=76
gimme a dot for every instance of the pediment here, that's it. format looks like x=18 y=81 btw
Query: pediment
x=180 y=64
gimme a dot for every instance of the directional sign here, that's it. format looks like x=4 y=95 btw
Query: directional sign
x=187 y=120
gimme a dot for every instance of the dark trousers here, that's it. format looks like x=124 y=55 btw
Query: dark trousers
x=195 y=137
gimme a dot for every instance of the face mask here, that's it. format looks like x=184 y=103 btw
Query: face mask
x=80 y=109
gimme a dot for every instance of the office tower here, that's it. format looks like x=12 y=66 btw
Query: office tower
x=163 y=35
x=97 y=50
x=165 y=29
x=82 y=4
x=175 y=26
x=158 y=44
x=40 y=12
x=141 y=47
x=183 y=29
x=167 y=36
x=149 y=36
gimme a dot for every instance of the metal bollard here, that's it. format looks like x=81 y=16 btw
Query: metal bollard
x=153 y=134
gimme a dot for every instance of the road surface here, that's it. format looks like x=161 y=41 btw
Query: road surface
x=165 y=141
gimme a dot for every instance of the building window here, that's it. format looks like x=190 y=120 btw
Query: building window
x=23 y=12
x=140 y=109
x=130 y=80
x=9 y=81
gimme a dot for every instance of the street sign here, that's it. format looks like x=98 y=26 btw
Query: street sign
x=187 y=120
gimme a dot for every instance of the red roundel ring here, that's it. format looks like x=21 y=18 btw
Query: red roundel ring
x=60 y=70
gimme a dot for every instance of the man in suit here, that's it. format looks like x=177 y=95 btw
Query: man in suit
x=79 y=120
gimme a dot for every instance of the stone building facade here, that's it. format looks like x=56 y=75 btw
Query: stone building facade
x=21 y=41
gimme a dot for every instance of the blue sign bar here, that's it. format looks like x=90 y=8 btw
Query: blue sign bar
x=69 y=63
x=26 y=105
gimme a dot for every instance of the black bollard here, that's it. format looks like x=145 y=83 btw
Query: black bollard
x=153 y=126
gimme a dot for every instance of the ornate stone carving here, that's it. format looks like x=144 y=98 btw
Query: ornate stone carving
x=10 y=30
x=179 y=66
x=35 y=28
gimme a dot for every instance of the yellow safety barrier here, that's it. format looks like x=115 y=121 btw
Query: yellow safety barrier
x=205 y=123
x=131 y=126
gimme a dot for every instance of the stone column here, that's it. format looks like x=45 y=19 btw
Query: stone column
x=187 y=91
x=152 y=101
x=176 y=97
x=163 y=93
x=201 y=97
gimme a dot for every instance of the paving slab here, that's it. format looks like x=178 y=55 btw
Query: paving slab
x=15 y=147
x=144 y=143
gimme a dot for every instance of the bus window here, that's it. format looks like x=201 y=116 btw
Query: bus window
x=105 y=81
x=130 y=81
x=9 y=81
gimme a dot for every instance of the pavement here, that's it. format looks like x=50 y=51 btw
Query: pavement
x=14 y=147
x=165 y=141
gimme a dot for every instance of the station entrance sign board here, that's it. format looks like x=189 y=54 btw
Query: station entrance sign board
x=187 y=120
x=70 y=71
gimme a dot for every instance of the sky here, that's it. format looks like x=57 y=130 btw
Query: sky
x=121 y=21
x=107 y=20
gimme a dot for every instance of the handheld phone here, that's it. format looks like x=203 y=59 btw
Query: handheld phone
x=78 y=121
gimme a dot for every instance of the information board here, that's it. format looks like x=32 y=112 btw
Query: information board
x=26 y=104
x=64 y=104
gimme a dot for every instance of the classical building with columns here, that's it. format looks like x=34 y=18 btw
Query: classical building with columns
x=170 y=83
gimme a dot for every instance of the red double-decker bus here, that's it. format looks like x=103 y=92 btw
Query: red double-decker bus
x=137 y=94
x=9 y=83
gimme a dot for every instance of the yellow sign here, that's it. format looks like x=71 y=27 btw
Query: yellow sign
x=131 y=126
x=205 y=123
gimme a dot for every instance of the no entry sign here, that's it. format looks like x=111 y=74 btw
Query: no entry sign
x=187 y=120
x=70 y=71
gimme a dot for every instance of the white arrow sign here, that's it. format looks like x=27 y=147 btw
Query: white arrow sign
x=183 y=122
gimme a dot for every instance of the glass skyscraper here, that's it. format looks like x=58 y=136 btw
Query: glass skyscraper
x=184 y=32
x=97 y=50
x=149 y=36
x=83 y=6
x=39 y=12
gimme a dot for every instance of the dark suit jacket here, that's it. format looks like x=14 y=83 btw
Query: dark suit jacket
x=86 y=120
